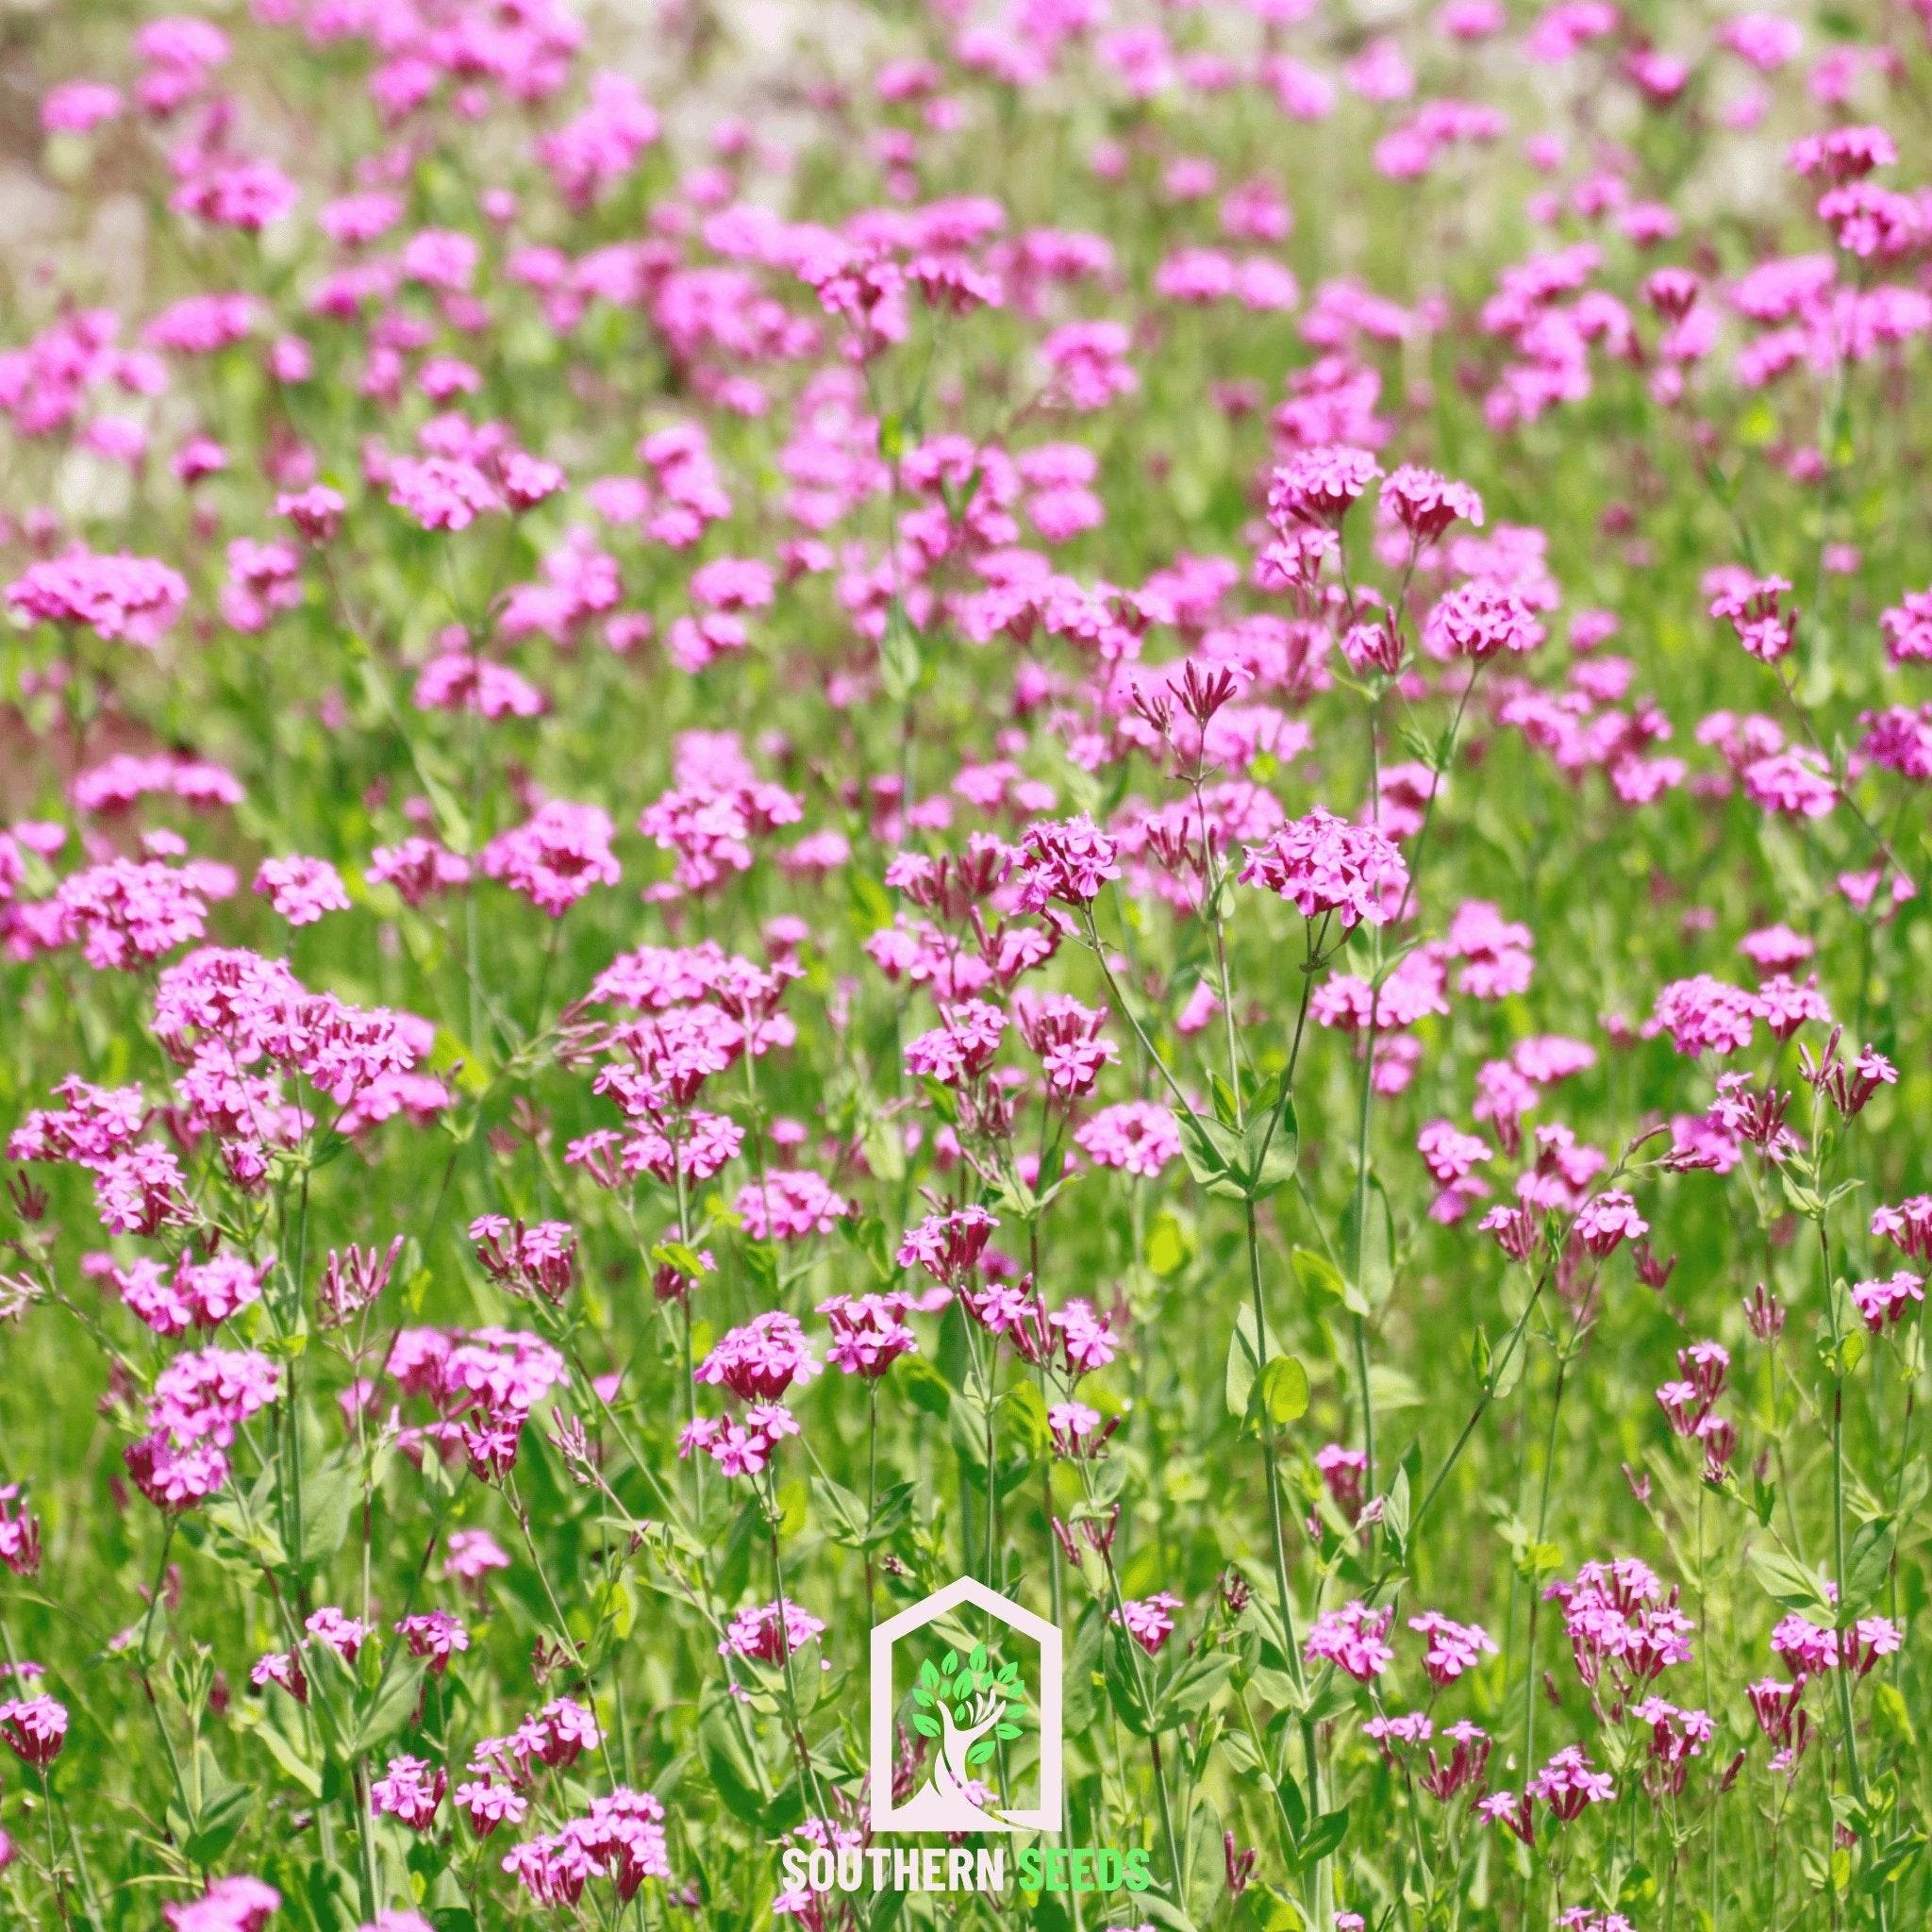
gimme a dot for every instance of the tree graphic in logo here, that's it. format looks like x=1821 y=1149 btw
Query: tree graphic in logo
x=971 y=1706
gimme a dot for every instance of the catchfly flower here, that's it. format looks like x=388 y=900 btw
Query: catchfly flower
x=1008 y=918
x=1321 y=865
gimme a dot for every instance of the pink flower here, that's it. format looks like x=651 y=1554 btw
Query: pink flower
x=1705 y=1015
x=236 y=1903
x=409 y=1792
x=316 y=512
x=1079 y=1433
x=418 y=869
x=556 y=856
x=789 y=1207
x=961 y=1049
x=301 y=889
x=132 y=599
x=603 y=143
x=1352 y=1639
x=1479 y=619
x=868 y=1335
x=440 y=258
x=34 y=1729
x=1516 y=1230
x=1344 y=1470
x=948 y=1246
x=489 y=1804
x=1068 y=863
x=442 y=492
x=529 y=481
x=540 y=1260
x=175 y=1478
x=1793 y=783
x=205 y=1394
x=78 y=107
x=1883 y=1303
x=1068 y=1038
x=1569 y=1785
x=1089 y=361
x=1801 y=1646
x=1751 y=605
x=1398 y=1735
x=768 y=1633
x=470 y=1555
x=1604 y=1221
x=1425 y=502
x=435 y=1634
x=1448 y=1153
x=1317 y=487
x=760 y=1360
x=246 y=194
x=1467 y=1765
x=1149 y=1621
x=1137 y=1137
x=1617 y=1618
x=1321 y=864
x=1506 y=1808
x=20 y=1533
x=1452 y=1648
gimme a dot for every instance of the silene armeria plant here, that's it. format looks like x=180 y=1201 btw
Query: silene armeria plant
x=1125 y=798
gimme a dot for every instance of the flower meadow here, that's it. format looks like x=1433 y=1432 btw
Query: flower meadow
x=1123 y=799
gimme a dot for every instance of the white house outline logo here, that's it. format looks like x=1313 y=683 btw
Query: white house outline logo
x=916 y=1815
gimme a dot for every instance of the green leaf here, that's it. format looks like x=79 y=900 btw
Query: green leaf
x=244 y=1532
x=218 y=1811
x=924 y=1386
x=1324 y=1835
x=728 y=1764
x=1246 y=1356
x=284 y=1749
x=1167 y=1247
x=1368 y=1243
x=1162 y=1912
x=1396 y=1511
x=1264 y=1909
x=1117 y=1666
x=1210 y=1152
x=1868 y=1563
x=1505 y=1370
x=885 y=1151
x=386 y=1709
x=1191 y=1688
x=841 y=1513
x=1803 y=1199
x=872 y=906
x=1390 y=1389
x=333 y=1688
x=1333 y=1699
x=329 y=1493
x=900 y=661
x=683 y=1258
x=1280 y=1394
x=1241 y=1166
x=1789 y=1583
x=1319 y=1277
x=892 y=1513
